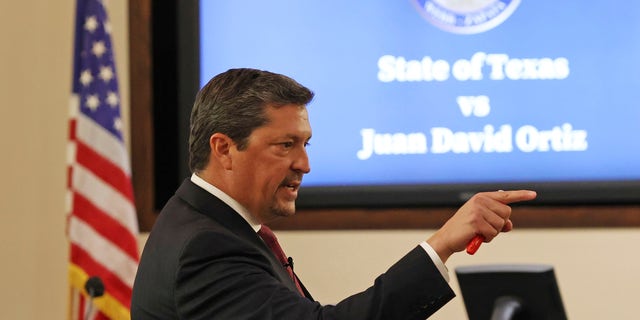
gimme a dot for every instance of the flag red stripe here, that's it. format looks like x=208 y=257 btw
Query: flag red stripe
x=104 y=169
x=81 y=305
x=112 y=283
x=72 y=138
x=72 y=129
x=105 y=225
x=69 y=177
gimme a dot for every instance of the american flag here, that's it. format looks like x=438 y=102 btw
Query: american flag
x=102 y=226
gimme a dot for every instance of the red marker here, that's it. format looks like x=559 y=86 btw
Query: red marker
x=474 y=244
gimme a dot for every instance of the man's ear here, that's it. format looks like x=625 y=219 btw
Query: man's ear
x=221 y=145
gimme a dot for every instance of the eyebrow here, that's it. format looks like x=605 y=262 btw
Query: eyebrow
x=296 y=137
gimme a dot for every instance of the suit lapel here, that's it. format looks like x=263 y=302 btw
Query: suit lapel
x=214 y=208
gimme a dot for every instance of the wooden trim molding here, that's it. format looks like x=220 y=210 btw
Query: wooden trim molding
x=433 y=218
x=141 y=80
x=334 y=219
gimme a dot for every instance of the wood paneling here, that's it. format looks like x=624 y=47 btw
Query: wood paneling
x=141 y=79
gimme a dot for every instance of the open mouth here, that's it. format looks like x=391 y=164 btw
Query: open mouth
x=293 y=186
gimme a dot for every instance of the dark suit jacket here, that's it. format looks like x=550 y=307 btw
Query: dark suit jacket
x=202 y=260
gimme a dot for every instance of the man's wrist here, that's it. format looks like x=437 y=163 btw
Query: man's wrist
x=436 y=260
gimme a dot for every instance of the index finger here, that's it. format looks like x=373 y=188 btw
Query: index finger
x=512 y=196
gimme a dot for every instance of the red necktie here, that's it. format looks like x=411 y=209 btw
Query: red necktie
x=272 y=242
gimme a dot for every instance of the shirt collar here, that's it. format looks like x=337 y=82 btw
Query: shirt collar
x=235 y=205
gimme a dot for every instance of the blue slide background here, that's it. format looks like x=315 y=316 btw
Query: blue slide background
x=333 y=47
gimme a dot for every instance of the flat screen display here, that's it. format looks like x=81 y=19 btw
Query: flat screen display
x=522 y=292
x=427 y=101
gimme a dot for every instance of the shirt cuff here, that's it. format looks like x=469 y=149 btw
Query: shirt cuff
x=436 y=260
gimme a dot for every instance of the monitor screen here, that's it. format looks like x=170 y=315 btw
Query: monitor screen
x=422 y=102
x=501 y=292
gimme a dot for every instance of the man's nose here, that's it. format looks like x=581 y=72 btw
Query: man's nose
x=301 y=163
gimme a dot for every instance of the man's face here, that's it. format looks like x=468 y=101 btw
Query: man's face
x=269 y=171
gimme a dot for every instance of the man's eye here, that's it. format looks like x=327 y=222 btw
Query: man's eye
x=287 y=144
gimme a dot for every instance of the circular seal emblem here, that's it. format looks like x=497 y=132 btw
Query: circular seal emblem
x=466 y=16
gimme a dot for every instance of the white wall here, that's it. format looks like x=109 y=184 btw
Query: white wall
x=597 y=268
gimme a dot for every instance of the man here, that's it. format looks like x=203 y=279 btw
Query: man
x=207 y=256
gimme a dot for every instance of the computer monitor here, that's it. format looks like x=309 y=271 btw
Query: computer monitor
x=523 y=292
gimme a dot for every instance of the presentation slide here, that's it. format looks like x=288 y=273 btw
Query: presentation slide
x=448 y=92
